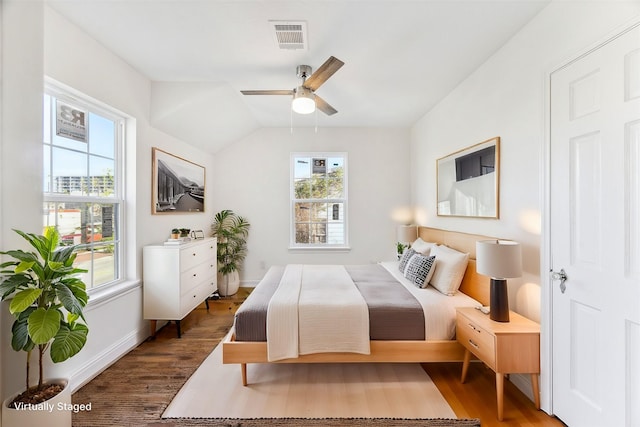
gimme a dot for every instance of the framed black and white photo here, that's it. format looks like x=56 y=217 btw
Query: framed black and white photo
x=178 y=184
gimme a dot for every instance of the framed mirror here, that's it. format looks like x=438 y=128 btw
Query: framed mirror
x=469 y=181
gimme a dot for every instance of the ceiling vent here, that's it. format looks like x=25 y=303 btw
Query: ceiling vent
x=290 y=34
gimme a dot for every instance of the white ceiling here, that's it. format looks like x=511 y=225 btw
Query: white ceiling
x=401 y=57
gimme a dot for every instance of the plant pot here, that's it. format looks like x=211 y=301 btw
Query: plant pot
x=55 y=412
x=228 y=284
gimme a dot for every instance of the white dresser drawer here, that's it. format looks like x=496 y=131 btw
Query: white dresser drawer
x=196 y=254
x=193 y=277
x=193 y=298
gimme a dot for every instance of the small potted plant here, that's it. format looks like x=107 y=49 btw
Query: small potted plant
x=175 y=233
x=47 y=301
x=184 y=232
x=400 y=247
x=232 y=231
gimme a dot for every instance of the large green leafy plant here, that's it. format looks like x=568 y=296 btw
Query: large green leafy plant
x=232 y=231
x=47 y=300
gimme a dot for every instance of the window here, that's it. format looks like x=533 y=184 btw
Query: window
x=319 y=200
x=82 y=183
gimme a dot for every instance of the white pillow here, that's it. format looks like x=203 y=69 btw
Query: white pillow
x=422 y=247
x=450 y=268
x=420 y=269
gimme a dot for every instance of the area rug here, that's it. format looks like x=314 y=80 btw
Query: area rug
x=363 y=391
x=323 y=422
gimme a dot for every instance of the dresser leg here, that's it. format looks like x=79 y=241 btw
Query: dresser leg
x=152 y=328
x=500 y=393
x=465 y=365
x=178 y=326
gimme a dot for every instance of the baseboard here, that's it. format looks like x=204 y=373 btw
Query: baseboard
x=523 y=383
x=249 y=283
x=107 y=358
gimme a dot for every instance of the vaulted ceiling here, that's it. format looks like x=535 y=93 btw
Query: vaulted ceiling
x=401 y=57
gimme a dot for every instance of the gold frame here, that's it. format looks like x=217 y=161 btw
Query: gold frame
x=445 y=181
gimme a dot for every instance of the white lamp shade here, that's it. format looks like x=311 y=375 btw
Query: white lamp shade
x=407 y=233
x=499 y=259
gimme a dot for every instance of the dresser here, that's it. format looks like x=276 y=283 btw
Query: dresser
x=509 y=347
x=176 y=279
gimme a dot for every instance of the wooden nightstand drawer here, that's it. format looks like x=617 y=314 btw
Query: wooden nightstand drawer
x=477 y=340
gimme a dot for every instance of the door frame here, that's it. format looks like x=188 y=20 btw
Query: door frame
x=546 y=311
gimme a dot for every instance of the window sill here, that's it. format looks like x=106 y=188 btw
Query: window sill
x=308 y=249
x=101 y=296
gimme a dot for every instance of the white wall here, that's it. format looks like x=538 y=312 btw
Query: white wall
x=21 y=139
x=76 y=60
x=505 y=97
x=252 y=179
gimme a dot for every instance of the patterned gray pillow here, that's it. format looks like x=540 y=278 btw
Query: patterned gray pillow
x=420 y=269
x=404 y=260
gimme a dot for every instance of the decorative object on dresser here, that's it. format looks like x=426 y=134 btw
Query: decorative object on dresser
x=405 y=234
x=500 y=260
x=506 y=348
x=177 y=278
x=231 y=231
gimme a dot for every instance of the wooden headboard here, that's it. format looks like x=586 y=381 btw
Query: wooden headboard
x=473 y=284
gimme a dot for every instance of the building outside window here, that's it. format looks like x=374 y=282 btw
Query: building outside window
x=319 y=200
x=82 y=181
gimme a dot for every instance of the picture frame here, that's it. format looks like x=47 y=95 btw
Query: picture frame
x=178 y=185
x=468 y=181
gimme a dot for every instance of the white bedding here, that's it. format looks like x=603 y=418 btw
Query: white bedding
x=439 y=309
x=316 y=309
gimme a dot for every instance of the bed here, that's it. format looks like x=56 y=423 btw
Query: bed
x=474 y=290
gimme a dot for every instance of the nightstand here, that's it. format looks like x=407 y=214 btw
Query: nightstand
x=506 y=347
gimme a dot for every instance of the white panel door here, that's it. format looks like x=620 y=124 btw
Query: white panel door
x=595 y=236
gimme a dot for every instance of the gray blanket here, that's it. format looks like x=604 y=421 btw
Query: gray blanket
x=394 y=314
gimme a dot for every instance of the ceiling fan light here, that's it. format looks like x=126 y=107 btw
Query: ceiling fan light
x=303 y=101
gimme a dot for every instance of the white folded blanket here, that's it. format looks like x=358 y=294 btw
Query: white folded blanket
x=316 y=309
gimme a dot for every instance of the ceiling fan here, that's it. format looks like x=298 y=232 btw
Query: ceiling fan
x=305 y=100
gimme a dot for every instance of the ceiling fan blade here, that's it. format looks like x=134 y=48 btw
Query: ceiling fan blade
x=323 y=73
x=322 y=105
x=267 y=92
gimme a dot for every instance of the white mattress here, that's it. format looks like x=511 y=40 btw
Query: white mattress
x=439 y=309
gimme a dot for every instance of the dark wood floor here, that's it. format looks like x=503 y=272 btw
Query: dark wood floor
x=138 y=387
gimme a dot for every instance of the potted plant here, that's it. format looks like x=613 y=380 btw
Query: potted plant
x=175 y=233
x=232 y=231
x=400 y=247
x=47 y=301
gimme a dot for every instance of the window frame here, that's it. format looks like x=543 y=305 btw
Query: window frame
x=118 y=199
x=293 y=246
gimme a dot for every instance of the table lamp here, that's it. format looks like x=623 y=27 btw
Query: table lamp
x=407 y=233
x=500 y=260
